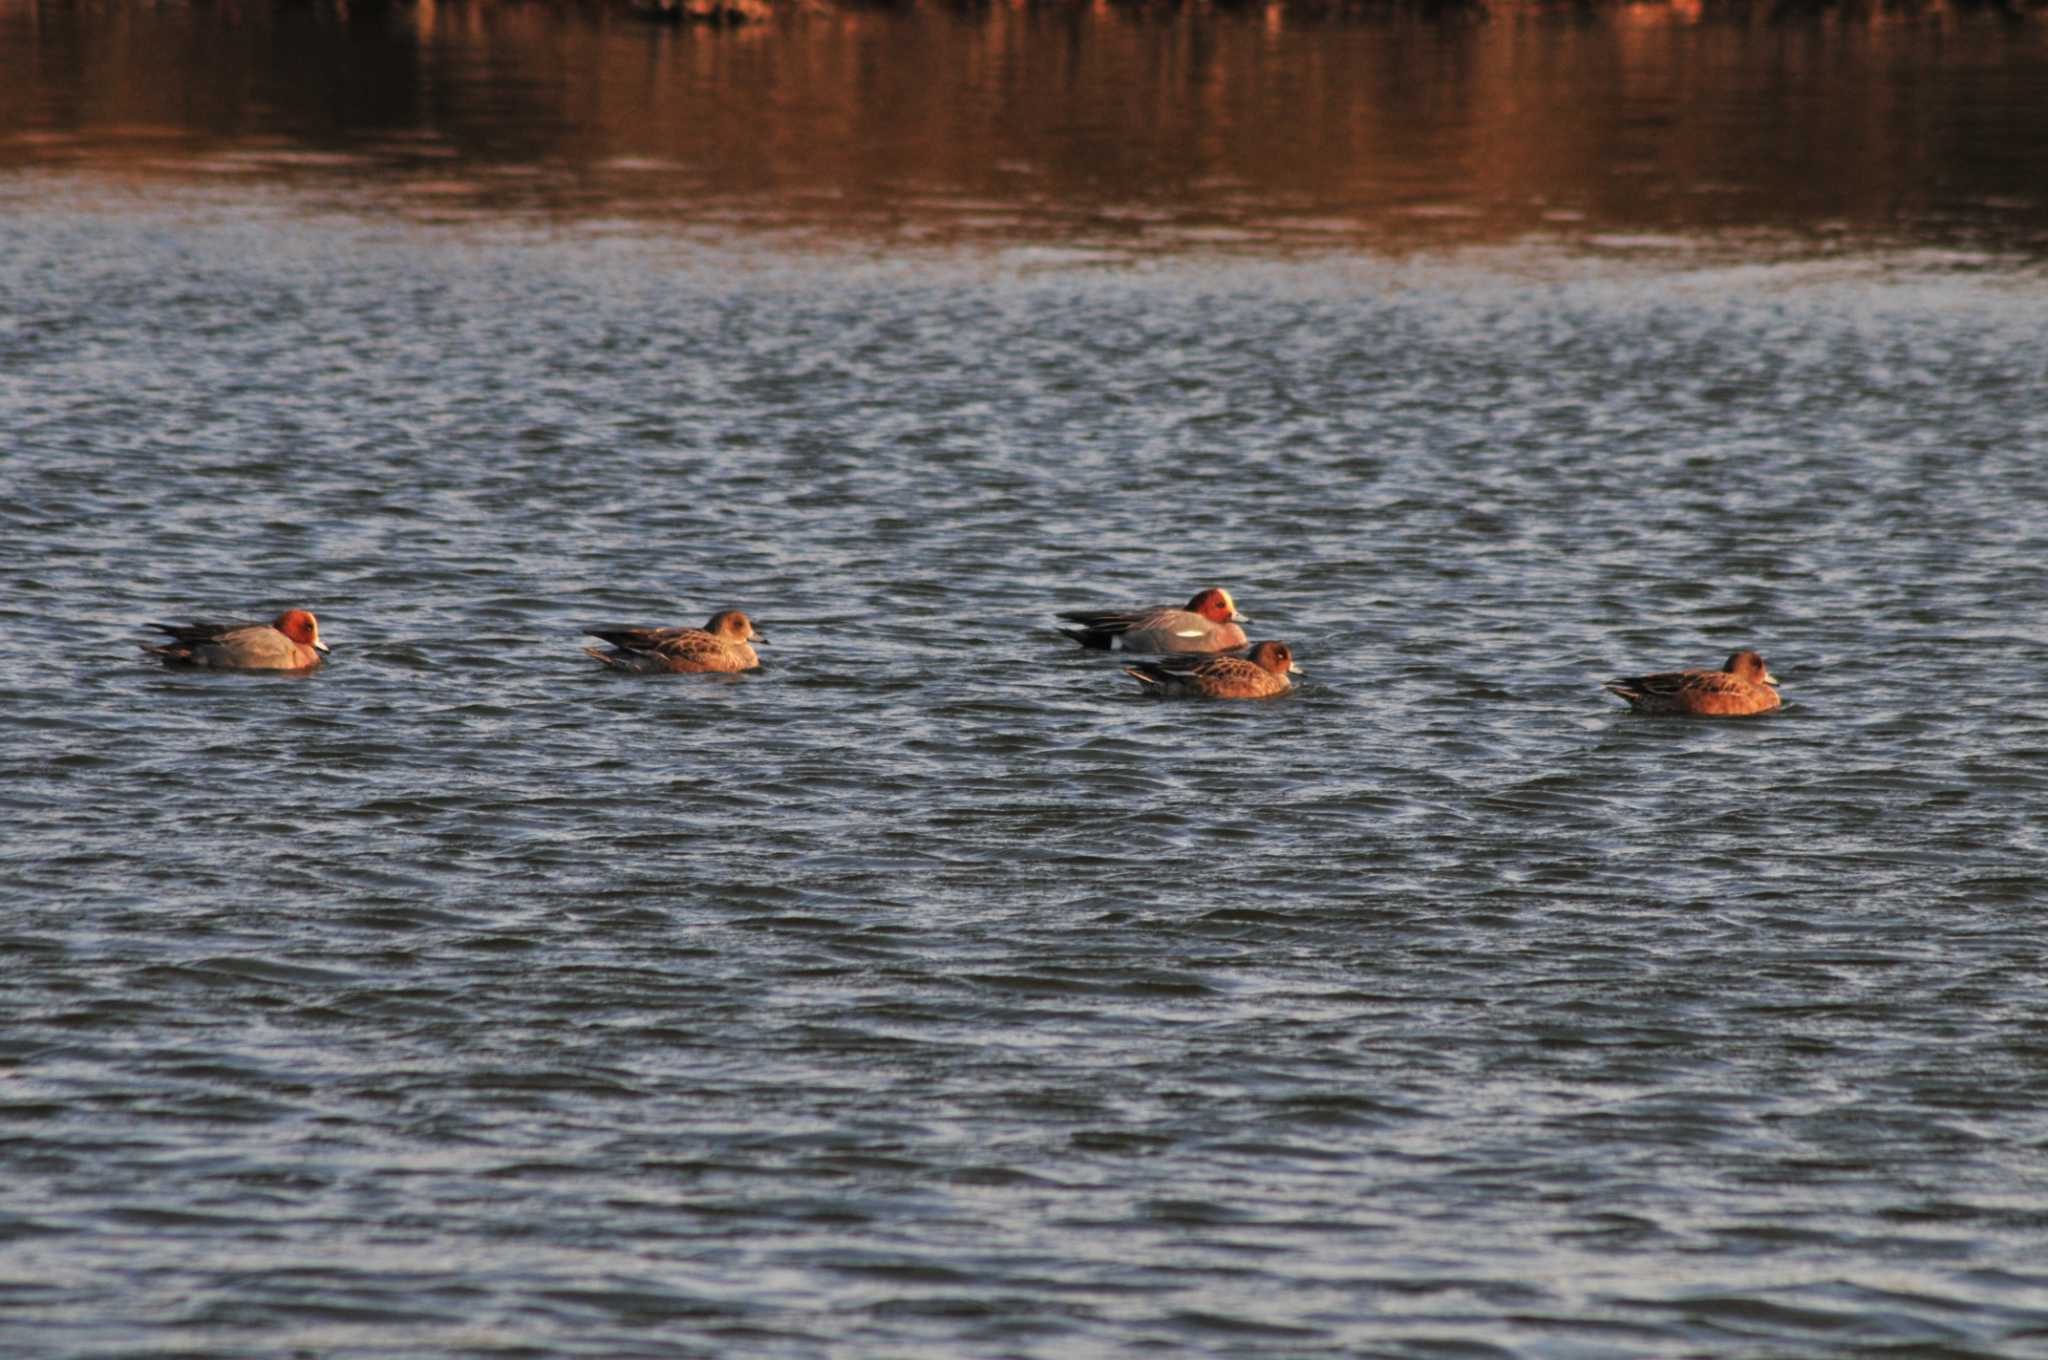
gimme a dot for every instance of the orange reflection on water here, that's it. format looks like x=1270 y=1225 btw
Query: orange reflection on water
x=1101 y=122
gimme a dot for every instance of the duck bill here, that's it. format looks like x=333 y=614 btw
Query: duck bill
x=322 y=648
x=1770 y=679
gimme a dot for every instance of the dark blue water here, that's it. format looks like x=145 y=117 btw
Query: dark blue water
x=929 y=991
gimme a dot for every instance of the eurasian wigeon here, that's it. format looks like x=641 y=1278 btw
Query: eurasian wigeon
x=1740 y=688
x=1207 y=624
x=289 y=642
x=1260 y=676
x=720 y=645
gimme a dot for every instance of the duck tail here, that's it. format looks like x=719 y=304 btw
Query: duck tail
x=1093 y=639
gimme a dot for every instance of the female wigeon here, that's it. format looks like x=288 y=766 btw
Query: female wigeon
x=289 y=642
x=1738 y=689
x=1207 y=624
x=720 y=645
x=1260 y=676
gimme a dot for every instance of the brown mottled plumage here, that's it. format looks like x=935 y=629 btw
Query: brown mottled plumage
x=1260 y=676
x=1207 y=624
x=1740 y=688
x=289 y=642
x=720 y=645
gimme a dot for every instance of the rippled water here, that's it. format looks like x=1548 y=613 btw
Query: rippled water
x=931 y=992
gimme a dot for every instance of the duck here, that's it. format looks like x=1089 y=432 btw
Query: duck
x=1262 y=674
x=1208 y=623
x=289 y=642
x=1741 y=687
x=722 y=644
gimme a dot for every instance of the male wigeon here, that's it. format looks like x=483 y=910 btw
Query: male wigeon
x=1260 y=676
x=1207 y=624
x=289 y=642
x=720 y=645
x=1739 y=688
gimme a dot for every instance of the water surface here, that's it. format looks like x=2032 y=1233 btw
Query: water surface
x=1142 y=127
x=929 y=992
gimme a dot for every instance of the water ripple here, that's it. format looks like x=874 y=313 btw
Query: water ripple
x=930 y=991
